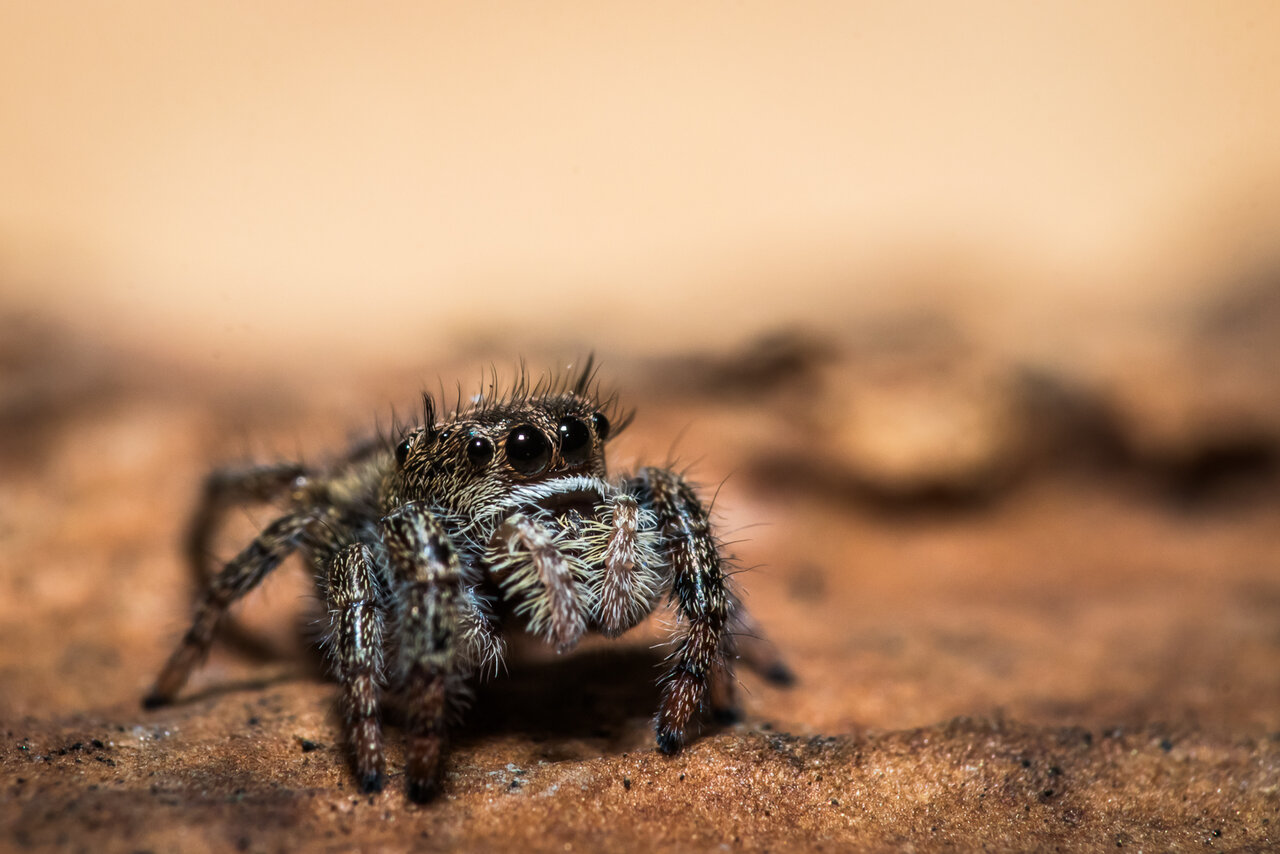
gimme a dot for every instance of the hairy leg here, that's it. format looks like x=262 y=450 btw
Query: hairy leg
x=541 y=582
x=225 y=489
x=482 y=641
x=748 y=645
x=699 y=587
x=240 y=575
x=355 y=647
x=629 y=584
x=429 y=603
x=754 y=649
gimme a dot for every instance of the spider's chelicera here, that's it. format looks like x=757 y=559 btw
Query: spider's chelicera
x=426 y=545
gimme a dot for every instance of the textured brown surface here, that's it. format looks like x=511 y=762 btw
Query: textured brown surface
x=1063 y=631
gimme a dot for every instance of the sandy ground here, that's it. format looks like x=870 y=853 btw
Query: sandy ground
x=1027 y=610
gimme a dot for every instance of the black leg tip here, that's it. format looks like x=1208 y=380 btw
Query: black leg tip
x=669 y=742
x=726 y=716
x=371 y=784
x=154 y=701
x=780 y=674
x=421 y=791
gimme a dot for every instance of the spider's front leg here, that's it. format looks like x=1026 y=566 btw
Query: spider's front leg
x=700 y=589
x=355 y=646
x=428 y=610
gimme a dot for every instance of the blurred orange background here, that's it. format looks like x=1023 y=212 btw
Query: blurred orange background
x=271 y=182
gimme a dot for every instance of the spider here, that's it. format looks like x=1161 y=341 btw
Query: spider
x=430 y=545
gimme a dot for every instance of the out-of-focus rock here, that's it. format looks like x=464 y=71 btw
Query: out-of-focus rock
x=912 y=411
x=950 y=432
x=784 y=363
x=1200 y=407
x=915 y=413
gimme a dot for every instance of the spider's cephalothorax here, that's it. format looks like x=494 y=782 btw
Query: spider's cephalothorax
x=428 y=544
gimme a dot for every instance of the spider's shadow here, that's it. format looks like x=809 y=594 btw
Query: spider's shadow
x=236 y=686
x=603 y=693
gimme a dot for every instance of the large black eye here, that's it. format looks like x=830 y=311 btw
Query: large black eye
x=403 y=449
x=528 y=450
x=601 y=424
x=479 y=450
x=575 y=440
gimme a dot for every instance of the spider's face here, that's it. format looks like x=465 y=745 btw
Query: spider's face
x=546 y=452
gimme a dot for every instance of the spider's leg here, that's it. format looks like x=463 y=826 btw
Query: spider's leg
x=543 y=582
x=745 y=643
x=484 y=645
x=754 y=649
x=237 y=578
x=227 y=488
x=355 y=626
x=628 y=584
x=700 y=589
x=428 y=606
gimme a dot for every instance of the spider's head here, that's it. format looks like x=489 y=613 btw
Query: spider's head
x=541 y=451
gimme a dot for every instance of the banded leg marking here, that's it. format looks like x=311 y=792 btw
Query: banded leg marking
x=700 y=590
x=429 y=604
x=356 y=626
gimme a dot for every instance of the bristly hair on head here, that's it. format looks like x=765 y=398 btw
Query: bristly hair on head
x=582 y=382
x=429 y=414
x=525 y=387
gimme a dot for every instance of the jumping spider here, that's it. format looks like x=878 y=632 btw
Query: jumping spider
x=427 y=544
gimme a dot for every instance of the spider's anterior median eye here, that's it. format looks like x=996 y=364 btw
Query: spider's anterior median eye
x=528 y=450
x=479 y=451
x=601 y=424
x=575 y=440
x=403 y=449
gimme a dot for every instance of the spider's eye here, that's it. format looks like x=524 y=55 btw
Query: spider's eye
x=528 y=450
x=601 y=424
x=479 y=451
x=575 y=440
x=403 y=449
